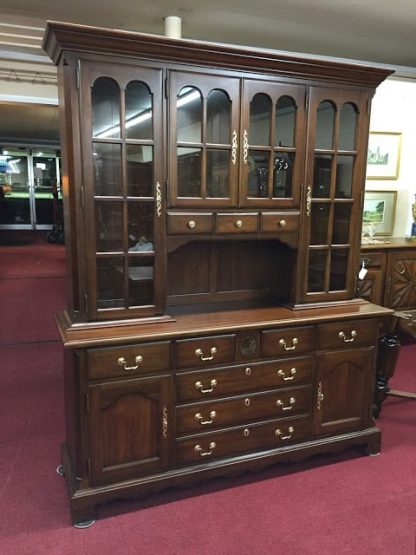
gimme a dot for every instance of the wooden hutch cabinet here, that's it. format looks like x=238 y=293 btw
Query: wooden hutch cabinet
x=213 y=199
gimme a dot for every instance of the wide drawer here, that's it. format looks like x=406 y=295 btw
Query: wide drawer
x=271 y=222
x=359 y=333
x=185 y=223
x=372 y=259
x=237 y=223
x=288 y=341
x=266 y=435
x=200 y=417
x=205 y=351
x=220 y=382
x=128 y=360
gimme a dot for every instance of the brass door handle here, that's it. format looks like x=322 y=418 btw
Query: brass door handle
x=320 y=396
x=342 y=335
x=200 y=418
x=200 y=386
x=234 y=147
x=280 y=403
x=202 y=453
x=199 y=353
x=279 y=433
x=283 y=344
x=122 y=362
x=282 y=374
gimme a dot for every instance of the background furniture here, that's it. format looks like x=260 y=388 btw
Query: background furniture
x=212 y=213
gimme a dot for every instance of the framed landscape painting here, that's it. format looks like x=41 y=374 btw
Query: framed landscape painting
x=379 y=210
x=383 y=155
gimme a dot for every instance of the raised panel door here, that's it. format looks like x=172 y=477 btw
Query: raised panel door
x=401 y=281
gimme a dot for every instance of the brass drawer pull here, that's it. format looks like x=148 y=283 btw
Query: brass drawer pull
x=200 y=418
x=279 y=433
x=248 y=371
x=199 y=353
x=239 y=224
x=122 y=362
x=202 y=453
x=200 y=386
x=191 y=224
x=282 y=374
x=343 y=335
x=283 y=223
x=280 y=403
x=283 y=344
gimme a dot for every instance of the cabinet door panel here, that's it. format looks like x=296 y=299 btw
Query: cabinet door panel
x=343 y=395
x=401 y=290
x=129 y=428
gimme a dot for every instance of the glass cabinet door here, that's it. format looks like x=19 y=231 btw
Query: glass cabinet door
x=335 y=174
x=273 y=144
x=203 y=139
x=123 y=195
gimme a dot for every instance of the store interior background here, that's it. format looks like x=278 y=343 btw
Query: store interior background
x=364 y=31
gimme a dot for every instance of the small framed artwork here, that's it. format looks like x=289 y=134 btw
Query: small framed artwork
x=379 y=210
x=383 y=155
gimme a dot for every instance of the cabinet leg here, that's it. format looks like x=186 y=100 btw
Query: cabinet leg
x=83 y=518
x=373 y=446
x=388 y=352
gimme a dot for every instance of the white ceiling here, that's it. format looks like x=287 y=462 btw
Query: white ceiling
x=370 y=30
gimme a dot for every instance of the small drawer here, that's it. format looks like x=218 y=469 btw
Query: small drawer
x=237 y=223
x=372 y=259
x=205 y=351
x=221 y=382
x=267 y=435
x=282 y=222
x=131 y=360
x=288 y=341
x=185 y=223
x=348 y=334
x=201 y=417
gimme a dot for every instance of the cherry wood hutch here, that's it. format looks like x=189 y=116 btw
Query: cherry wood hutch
x=213 y=199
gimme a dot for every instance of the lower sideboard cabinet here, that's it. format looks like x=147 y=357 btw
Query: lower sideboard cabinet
x=144 y=415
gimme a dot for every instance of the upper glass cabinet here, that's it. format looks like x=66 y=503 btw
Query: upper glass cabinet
x=123 y=190
x=335 y=174
x=203 y=124
x=273 y=143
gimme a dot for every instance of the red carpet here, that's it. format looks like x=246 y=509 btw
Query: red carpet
x=344 y=504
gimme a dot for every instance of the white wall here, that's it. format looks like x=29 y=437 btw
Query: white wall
x=394 y=110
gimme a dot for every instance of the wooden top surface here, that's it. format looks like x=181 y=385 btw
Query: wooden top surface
x=189 y=325
x=389 y=243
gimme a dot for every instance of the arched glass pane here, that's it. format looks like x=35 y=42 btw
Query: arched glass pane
x=347 y=127
x=139 y=115
x=325 y=119
x=189 y=115
x=260 y=115
x=218 y=117
x=105 y=105
x=285 y=122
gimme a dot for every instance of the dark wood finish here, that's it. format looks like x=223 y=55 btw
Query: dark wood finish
x=400 y=291
x=211 y=333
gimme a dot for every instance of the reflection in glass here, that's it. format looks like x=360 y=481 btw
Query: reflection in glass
x=218 y=118
x=107 y=169
x=189 y=116
x=105 y=105
x=258 y=176
x=316 y=273
x=322 y=176
x=342 y=218
x=138 y=111
x=325 y=119
x=139 y=170
x=218 y=163
x=285 y=122
x=109 y=226
x=339 y=265
x=140 y=226
x=14 y=190
x=343 y=186
x=189 y=172
x=347 y=127
x=260 y=115
x=141 y=280
x=110 y=277
x=319 y=224
x=283 y=174
x=46 y=189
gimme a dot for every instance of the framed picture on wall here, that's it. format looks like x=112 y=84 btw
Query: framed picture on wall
x=379 y=211
x=383 y=155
